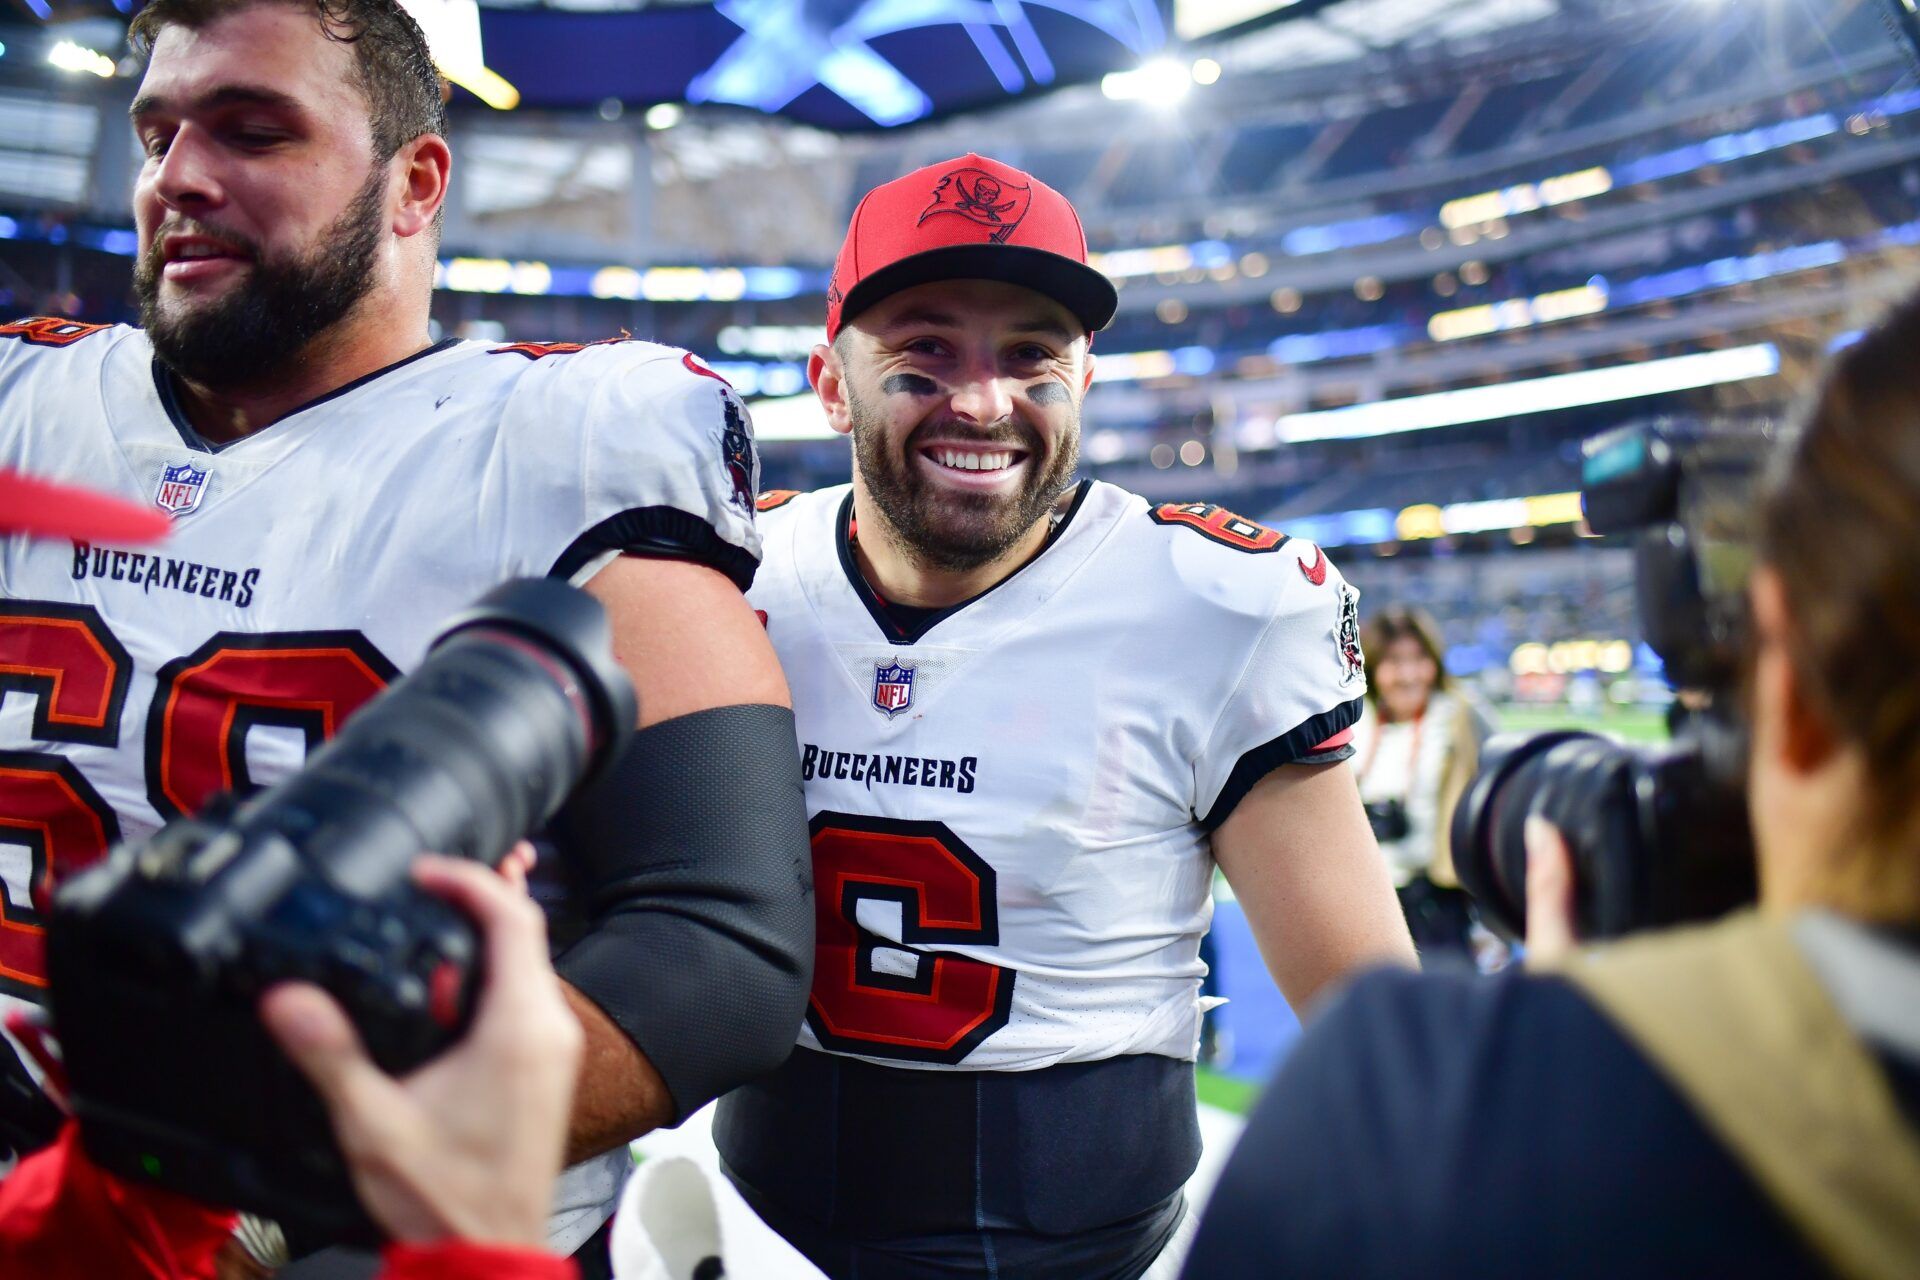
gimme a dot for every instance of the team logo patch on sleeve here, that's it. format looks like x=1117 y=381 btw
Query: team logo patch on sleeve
x=1347 y=636
x=892 y=687
x=181 y=489
x=736 y=452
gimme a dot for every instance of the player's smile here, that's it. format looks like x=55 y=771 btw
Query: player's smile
x=195 y=259
x=975 y=466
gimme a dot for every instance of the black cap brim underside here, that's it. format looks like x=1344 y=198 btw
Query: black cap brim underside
x=1077 y=287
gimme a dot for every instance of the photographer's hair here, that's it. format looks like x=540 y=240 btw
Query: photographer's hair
x=1841 y=526
x=1402 y=622
x=392 y=67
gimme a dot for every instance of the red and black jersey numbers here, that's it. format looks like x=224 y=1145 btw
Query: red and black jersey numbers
x=541 y=350
x=774 y=499
x=50 y=331
x=206 y=703
x=903 y=1000
x=64 y=657
x=67 y=659
x=1220 y=525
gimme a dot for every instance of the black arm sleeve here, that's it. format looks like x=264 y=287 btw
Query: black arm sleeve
x=690 y=863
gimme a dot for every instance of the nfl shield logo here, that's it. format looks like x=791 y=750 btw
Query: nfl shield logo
x=181 y=489
x=892 y=688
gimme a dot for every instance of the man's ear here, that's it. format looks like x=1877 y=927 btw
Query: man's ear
x=1807 y=740
x=424 y=166
x=829 y=380
x=1086 y=376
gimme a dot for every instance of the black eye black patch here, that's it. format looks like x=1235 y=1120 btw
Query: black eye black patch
x=1048 y=393
x=908 y=384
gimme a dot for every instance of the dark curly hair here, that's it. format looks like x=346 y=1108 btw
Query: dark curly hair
x=394 y=70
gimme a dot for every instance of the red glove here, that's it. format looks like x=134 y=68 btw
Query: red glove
x=62 y=1217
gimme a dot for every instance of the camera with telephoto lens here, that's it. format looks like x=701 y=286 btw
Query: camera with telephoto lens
x=158 y=954
x=1388 y=818
x=1658 y=835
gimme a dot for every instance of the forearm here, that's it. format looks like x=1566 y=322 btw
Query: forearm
x=694 y=854
x=1305 y=868
x=619 y=1095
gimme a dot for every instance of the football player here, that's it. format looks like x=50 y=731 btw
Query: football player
x=338 y=485
x=1034 y=714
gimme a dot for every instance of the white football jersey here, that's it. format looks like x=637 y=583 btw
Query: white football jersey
x=1011 y=808
x=309 y=564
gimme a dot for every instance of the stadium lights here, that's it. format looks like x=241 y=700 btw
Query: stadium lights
x=1519 y=313
x=77 y=58
x=664 y=115
x=1534 y=395
x=452 y=29
x=1382 y=525
x=1526 y=197
x=790 y=418
x=1161 y=82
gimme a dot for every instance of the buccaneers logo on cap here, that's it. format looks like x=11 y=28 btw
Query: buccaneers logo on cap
x=978 y=196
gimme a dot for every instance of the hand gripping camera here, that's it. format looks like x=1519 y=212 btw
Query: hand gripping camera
x=1659 y=835
x=159 y=953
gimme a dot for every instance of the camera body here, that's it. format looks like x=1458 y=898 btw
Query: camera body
x=1389 y=820
x=158 y=954
x=1658 y=835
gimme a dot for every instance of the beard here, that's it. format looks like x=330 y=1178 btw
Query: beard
x=953 y=530
x=253 y=333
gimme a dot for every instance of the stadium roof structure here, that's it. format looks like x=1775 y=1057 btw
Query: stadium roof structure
x=858 y=65
x=851 y=65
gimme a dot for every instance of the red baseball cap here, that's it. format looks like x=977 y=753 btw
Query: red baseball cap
x=45 y=510
x=966 y=219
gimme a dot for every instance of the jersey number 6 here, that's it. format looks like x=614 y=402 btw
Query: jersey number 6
x=883 y=999
x=53 y=821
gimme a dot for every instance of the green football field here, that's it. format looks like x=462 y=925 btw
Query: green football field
x=1635 y=724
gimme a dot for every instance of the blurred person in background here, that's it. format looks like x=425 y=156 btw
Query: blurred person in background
x=1415 y=749
x=1735 y=1098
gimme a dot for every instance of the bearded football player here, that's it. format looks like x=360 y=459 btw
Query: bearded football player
x=1034 y=715
x=339 y=485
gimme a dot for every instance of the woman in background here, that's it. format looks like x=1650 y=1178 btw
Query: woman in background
x=1415 y=749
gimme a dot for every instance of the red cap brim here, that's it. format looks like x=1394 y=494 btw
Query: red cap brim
x=47 y=510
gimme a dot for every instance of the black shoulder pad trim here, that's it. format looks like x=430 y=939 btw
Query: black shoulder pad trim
x=1295 y=746
x=665 y=533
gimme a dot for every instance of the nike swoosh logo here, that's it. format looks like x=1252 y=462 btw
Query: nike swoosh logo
x=1316 y=573
x=442 y=400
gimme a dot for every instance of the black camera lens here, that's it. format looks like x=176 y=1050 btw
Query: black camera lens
x=1656 y=835
x=519 y=700
x=1489 y=823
